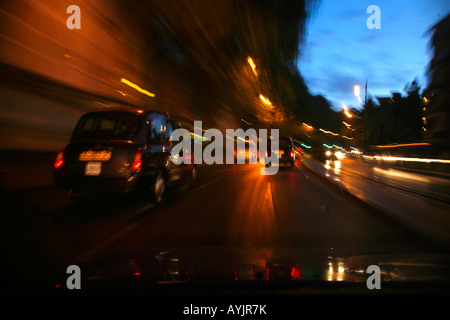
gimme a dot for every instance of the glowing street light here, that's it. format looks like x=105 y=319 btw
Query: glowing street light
x=252 y=65
x=265 y=100
x=347 y=113
x=357 y=90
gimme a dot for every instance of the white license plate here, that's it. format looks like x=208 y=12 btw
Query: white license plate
x=93 y=168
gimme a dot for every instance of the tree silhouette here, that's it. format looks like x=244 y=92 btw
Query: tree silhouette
x=395 y=119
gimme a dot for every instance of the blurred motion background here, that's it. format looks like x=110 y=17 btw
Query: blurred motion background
x=231 y=64
x=227 y=63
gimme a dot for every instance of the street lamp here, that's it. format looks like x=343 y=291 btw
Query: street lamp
x=357 y=92
x=252 y=65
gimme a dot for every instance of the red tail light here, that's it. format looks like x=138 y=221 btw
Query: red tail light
x=59 y=161
x=137 y=161
x=292 y=154
x=295 y=273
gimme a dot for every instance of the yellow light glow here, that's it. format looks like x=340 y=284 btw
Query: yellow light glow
x=252 y=65
x=339 y=155
x=401 y=174
x=347 y=113
x=307 y=125
x=137 y=88
x=265 y=100
x=329 y=132
x=337 y=166
x=336 y=275
x=405 y=145
x=407 y=159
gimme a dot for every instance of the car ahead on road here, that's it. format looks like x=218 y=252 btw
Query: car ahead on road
x=285 y=152
x=247 y=153
x=121 y=150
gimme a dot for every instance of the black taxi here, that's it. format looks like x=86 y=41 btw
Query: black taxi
x=121 y=150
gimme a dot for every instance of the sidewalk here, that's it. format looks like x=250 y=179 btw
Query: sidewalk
x=393 y=197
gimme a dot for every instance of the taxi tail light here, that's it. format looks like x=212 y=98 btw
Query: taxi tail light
x=137 y=161
x=292 y=154
x=59 y=161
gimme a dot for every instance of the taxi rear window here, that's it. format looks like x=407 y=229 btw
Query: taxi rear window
x=107 y=126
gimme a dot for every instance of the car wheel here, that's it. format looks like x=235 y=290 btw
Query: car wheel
x=159 y=188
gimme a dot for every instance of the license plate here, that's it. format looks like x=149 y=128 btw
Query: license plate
x=278 y=151
x=93 y=168
x=95 y=155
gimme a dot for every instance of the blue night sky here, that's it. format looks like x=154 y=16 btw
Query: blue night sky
x=340 y=51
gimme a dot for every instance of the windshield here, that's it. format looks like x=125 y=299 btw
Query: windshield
x=136 y=149
x=107 y=126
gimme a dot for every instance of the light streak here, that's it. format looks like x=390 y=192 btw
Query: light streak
x=389 y=158
x=329 y=132
x=252 y=65
x=265 y=100
x=136 y=87
x=405 y=145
